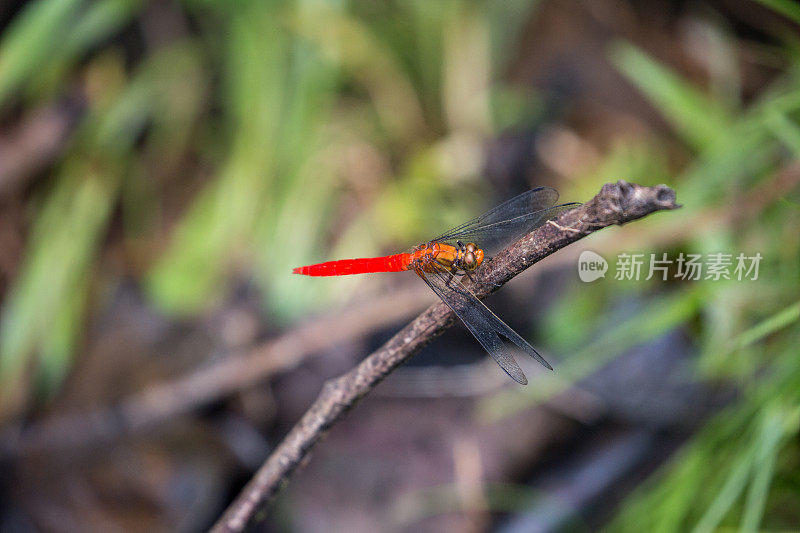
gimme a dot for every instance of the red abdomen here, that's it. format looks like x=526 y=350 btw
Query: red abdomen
x=343 y=267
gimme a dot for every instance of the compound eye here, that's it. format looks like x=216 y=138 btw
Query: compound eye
x=471 y=247
x=469 y=258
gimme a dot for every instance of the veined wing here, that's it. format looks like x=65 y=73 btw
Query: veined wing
x=481 y=322
x=499 y=227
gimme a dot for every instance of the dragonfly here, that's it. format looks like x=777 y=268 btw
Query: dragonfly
x=443 y=262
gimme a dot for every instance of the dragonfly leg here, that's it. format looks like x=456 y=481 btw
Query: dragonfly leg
x=492 y=283
x=451 y=277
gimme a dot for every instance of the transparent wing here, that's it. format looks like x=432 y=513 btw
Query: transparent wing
x=481 y=322
x=499 y=227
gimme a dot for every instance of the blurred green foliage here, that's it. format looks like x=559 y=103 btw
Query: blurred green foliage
x=317 y=129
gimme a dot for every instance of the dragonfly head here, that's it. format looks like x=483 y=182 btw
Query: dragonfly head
x=473 y=257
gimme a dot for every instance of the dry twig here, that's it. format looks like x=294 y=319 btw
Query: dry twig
x=617 y=203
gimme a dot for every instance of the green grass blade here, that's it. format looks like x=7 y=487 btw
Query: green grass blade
x=696 y=117
x=785 y=130
x=774 y=431
x=32 y=36
x=788 y=8
x=98 y=21
x=726 y=497
x=768 y=326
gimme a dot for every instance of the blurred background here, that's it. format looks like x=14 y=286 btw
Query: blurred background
x=164 y=165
